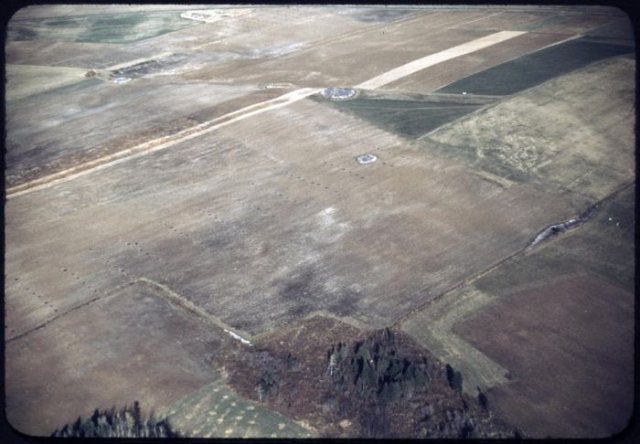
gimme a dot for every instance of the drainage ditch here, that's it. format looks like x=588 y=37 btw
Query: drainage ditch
x=557 y=228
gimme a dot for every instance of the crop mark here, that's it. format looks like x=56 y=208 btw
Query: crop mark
x=493 y=179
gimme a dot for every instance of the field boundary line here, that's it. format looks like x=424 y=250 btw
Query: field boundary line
x=163 y=292
x=524 y=251
x=438 y=336
x=184 y=303
x=110 y=293
x=440 y=331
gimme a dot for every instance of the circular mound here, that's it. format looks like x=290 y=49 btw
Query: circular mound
x=335 y=93
x=365 y=159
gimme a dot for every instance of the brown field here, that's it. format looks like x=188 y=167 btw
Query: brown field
x=550 y=330
x=78 y=55
x=569 y=348
x=40 y=77
x=135 y=346
x=574 y=24
x=216 y=193
x=47 y=142
x=217 y=237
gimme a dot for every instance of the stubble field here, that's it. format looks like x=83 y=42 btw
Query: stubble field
x=177 y=177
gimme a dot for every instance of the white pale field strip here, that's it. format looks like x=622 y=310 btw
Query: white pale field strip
x=438 y=57
x=252 y=110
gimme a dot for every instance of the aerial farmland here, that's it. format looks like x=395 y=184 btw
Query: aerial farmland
x=319 y=221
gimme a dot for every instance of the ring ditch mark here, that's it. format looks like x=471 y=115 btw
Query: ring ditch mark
x=366 y=159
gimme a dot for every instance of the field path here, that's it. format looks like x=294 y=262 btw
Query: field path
x=158 y=144
x=438 y=57
x=249 y=111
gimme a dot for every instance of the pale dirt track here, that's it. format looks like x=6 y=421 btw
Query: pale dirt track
x=252 y=110
x=439 y=57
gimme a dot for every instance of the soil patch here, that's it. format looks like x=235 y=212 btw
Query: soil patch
x=569 y=347
x=103 y=355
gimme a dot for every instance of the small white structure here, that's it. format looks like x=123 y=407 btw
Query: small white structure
x=334 y=93
x=120 y=80
x=365 y=159
x=237 y=336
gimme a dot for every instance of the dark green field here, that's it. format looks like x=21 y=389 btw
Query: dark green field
x=408 y=118
x=534 y=69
